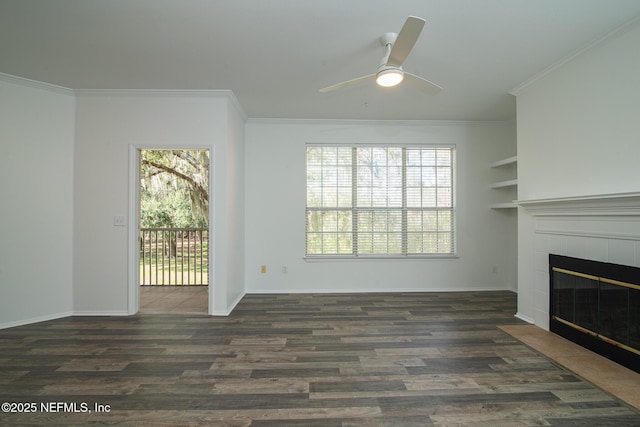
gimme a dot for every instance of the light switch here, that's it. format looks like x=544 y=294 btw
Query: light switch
x=118 y=221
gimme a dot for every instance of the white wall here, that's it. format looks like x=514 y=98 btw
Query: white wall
x=36 y=213
x=275 y=210
x=107 y=124
x=229 y=215
x=578 y=127
x=578 y=134
x=77 y=149
x=235 y=161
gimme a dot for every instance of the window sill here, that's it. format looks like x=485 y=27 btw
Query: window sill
x=331 y=258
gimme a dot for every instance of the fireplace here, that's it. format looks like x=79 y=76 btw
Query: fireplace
x=597 y=305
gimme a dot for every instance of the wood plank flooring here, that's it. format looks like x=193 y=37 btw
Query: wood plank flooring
x=616 y=379
x=174 y=299
x=401 y=359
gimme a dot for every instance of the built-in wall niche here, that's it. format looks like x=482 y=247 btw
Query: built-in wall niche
x=507 y=187
x=597 y=305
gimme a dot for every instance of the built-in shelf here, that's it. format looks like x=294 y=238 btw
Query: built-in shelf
x=510 y=161
x=505 y=162
x=502 y=184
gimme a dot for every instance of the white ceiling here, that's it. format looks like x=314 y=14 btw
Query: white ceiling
x=275 y=54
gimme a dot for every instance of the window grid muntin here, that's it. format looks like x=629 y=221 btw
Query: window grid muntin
x=435 y=162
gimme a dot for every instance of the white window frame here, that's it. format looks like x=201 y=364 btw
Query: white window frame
x=404 y=254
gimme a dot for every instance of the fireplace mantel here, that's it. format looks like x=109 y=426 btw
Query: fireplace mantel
x=619 y=204
x=603 y=228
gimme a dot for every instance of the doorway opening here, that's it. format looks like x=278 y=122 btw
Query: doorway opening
x=173 y=230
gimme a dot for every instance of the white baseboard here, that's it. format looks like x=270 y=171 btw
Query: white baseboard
x=525 y=318
x=372 y=291
x=35 y=320
x=101 y=313
x=54 y=316
x=230 y=308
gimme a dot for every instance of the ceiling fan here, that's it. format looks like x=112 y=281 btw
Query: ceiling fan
x=397 y=48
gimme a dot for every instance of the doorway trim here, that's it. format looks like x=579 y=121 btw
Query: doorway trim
x=133 y=254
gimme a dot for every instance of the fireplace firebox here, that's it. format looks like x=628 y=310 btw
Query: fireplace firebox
x=597 y=305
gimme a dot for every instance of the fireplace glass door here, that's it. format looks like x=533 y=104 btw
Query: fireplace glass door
x=599 y=302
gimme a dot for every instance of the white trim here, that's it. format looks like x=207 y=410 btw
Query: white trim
x=395 y=143
x=153 y=93
x=377 y=258
x=368 y=122
x=133 y=300
x=587 y=47
x=236 y=104
x=615 y=227
x=230 y=307
x=32 y=320
x=196 y=93
x=618 y=204
x=100 y=313
x=599 y=235
x=165 y=93
x=213 y=237
x=36 y=84
x=525 y=318
x=374 y=291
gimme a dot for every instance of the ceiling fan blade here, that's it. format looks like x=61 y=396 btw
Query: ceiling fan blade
x=405 y=40
x=348 y=83
x=424 y=85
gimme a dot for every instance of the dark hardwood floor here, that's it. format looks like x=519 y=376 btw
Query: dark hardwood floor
x=298 y=360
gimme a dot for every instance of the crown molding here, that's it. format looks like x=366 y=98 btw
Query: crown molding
x=137 y=93
x=153 y=93
x=570 y=57
x=36 y=84
x=369 y=122
x=235 y=103
x=165 y=93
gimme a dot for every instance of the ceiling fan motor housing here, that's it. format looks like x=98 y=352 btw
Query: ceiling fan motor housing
x=388 y=38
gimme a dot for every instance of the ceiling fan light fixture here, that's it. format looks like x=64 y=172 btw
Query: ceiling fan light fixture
x=389 y=77
x=397 y=48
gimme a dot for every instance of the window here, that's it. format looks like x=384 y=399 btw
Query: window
x=371 y=201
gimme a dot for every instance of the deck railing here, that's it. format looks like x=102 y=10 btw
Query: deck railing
x=174 y=256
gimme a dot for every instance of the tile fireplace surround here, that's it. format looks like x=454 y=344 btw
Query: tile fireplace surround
x=602 y=228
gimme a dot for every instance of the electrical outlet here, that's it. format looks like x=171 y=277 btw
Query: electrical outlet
x=263 y=269
x=285 y=270
x=118 y=221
